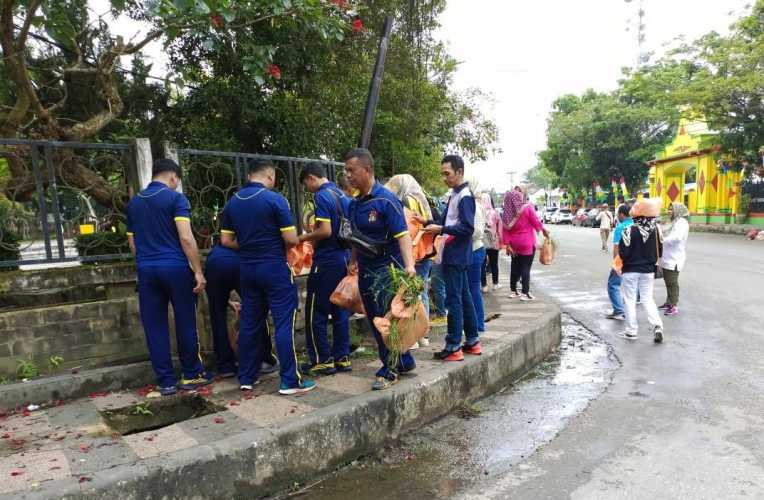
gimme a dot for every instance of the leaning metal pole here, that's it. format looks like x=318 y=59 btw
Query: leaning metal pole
x=376 y=84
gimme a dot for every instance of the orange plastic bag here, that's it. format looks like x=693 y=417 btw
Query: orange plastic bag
x=347 y=295
x=647 y=207
x=423 y=243
x=300 y=257
x=412 y=326
x=546 y=256
x=618 y=264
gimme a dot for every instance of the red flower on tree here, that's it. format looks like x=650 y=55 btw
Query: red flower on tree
x=342 y=4
x=217 y=20
x=357 y=25
x=274 y=71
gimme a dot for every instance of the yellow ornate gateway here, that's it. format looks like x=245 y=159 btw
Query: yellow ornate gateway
x=689 y=171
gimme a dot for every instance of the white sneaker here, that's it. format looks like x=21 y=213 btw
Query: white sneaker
x=424 y=341
x=515 y=295
x=627 y=335
x=485 y=289
x=527 y=297
x=497 y=286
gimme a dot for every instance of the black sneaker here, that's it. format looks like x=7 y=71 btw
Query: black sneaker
x=616 y=316
x=658 y=335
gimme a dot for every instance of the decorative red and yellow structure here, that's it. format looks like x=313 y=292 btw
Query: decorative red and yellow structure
x=694 y=157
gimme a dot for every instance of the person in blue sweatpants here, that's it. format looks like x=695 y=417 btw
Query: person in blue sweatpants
x=169 y=272
x=222 y=272
x=378 y=217
x=257 y=222
x=457 y=224
x=330 y=264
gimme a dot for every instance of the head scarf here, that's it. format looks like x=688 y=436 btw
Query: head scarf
x=491 y=215
x=680 y=212
x=406 y=186
x=513 y=207
x=522 y=189
x=474 y=186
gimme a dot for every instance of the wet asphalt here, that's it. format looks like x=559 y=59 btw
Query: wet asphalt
x=604 y=417
x=684 y=419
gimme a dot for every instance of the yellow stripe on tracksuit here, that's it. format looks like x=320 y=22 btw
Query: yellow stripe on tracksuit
x=294 y=350
x=312 y=312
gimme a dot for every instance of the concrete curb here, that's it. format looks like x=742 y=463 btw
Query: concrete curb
x=724 y=229
x=261 y=461
x=72 y=386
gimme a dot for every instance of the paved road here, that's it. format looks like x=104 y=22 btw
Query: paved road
x=681 y=420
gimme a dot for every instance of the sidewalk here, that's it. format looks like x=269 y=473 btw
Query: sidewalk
x=725 y=228
x=104 y=446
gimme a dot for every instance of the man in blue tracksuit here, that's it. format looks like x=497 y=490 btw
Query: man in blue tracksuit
x=222 y=272
x=258 y=223
x=330 y=263
x=169 y=271
x=378 y=216
x=457 y=225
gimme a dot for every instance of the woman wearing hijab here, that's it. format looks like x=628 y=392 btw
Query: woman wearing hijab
x=640 y=249
x=519 y=227
x=492 y=242
x=674 y=255
x=411 y=194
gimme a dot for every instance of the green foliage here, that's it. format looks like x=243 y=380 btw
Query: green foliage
x=142 y=409
x=316 y=106
x=597 y=136
x=54 y=362
x=9 y=239
x=26 y=369
x=542 y=176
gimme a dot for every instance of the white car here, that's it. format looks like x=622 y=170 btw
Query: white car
x=548 y=214
x=562 y=216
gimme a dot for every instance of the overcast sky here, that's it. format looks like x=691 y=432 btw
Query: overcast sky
x=527 y=53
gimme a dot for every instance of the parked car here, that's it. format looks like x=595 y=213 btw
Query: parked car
x=548 y=213
x=562 y=216
x=581 y=217
x=591 y=218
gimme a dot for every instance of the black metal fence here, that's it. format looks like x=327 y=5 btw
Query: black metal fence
x=211 y=178
x=756 y=191
x=64 y=202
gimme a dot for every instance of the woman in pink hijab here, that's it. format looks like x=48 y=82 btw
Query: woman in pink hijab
x=519 y=227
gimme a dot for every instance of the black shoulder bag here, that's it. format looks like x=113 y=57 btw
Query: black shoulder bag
x=345 y=233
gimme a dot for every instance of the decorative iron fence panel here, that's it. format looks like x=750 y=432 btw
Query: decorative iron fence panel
x=64 y=202
x=212 y=177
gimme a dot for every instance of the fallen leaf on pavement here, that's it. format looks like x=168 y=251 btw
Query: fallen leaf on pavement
x=218 y=420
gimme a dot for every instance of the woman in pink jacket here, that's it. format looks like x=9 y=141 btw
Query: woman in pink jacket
x=519 y=227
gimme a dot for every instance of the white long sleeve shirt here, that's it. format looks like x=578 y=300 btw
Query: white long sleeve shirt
x=674 y=246
x=477 y=235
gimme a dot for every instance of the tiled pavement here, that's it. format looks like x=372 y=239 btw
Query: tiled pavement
x=73 y=439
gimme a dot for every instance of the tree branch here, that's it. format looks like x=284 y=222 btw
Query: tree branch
x=31 y=11
x=133 y=48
